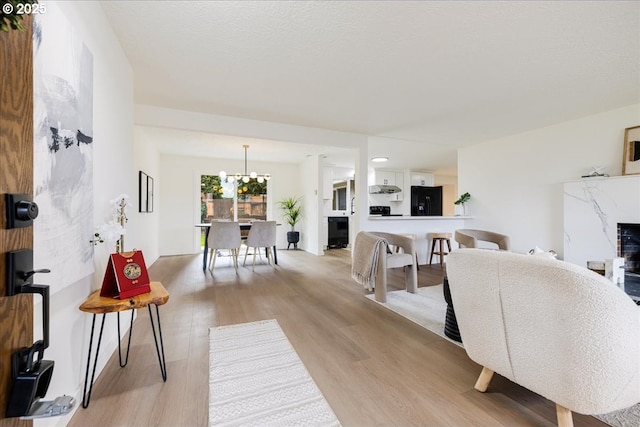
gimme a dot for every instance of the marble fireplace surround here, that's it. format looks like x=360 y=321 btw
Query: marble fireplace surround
x=593 y=210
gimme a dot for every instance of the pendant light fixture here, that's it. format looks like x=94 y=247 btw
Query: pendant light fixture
x=244 y=177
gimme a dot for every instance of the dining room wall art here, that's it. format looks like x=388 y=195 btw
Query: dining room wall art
x=63 y=149
x=145 y=193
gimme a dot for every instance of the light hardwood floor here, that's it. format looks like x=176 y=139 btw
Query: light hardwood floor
x=374 y=367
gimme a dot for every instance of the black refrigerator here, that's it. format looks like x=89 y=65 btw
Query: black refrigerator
x=426 y=201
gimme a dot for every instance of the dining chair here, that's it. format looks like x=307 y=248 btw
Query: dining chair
x=224 y=235
x=261 y=235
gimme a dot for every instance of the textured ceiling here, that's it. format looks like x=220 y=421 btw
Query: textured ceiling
x=435 y=73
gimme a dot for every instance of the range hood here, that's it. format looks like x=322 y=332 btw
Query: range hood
x=384 y=189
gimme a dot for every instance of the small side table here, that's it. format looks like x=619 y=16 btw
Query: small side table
x=102 y=305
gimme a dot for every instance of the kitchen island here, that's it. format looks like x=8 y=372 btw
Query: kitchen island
x=420 y=226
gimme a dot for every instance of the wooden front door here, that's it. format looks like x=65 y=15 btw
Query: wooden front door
x=16 y=176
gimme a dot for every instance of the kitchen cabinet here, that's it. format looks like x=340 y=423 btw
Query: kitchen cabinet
x=398 y=197
x=424 y=179
x=387 y=177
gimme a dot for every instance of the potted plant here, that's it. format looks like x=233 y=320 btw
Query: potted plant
x=292 y=214
x=460 y=203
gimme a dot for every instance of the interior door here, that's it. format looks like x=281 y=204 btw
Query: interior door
x=16 y=176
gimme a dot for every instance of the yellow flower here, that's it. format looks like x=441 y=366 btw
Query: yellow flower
x=221 y=191
x=244 y=188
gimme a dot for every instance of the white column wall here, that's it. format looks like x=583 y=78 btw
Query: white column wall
x=310 y=225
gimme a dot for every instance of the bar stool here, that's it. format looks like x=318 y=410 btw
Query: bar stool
x=412 y=237
x=439 y=238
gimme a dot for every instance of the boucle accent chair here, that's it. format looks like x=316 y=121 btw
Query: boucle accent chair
x=371 y=257
x=553 y=327
x=468 y=238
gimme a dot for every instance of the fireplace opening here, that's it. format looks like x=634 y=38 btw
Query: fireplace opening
x=629 y=249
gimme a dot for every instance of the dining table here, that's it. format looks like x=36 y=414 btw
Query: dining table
x=207 y=227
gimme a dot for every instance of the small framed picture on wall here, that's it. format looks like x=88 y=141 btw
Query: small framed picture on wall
x=631 y=160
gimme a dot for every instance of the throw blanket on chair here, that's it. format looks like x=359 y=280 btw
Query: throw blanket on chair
x=364 y=264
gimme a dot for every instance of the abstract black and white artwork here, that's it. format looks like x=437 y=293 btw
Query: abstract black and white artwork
x=63 y=150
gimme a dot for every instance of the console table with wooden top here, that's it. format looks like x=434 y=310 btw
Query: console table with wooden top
x=97 y=304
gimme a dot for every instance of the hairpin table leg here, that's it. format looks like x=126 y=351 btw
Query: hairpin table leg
x=86 y=397
x=126 y=360
x=162 y=361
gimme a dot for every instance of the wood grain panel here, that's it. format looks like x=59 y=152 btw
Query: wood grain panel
x=16 y=176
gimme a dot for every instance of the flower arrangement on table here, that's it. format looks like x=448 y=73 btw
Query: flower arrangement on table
x=113 y=229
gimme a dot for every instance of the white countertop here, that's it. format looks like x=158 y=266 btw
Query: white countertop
x=415 y=218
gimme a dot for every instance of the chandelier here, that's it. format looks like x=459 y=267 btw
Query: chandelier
x=245 y=177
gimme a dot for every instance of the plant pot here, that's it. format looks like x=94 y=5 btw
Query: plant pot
x=293 y=237
x=460 y=210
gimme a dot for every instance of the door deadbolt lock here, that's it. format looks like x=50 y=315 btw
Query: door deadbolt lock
x=20 y=210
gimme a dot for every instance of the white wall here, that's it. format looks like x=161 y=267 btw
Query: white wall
x=516 y=182
x=113 y=174
x=147 y=160
x=179 y=197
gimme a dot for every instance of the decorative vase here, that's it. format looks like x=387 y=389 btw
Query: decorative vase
x=460 y=210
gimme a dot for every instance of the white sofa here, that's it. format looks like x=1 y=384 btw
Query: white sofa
x=553 y=327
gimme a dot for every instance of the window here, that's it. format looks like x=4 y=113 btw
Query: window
x=232 y=201
x=216 y=199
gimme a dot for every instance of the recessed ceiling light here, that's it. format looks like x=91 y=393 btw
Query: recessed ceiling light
x=379 y=159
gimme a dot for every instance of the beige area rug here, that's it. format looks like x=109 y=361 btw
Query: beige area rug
x=257 y=379
x=427 y=308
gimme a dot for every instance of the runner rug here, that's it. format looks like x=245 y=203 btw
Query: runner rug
x=427 y=308
x=257 y=379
